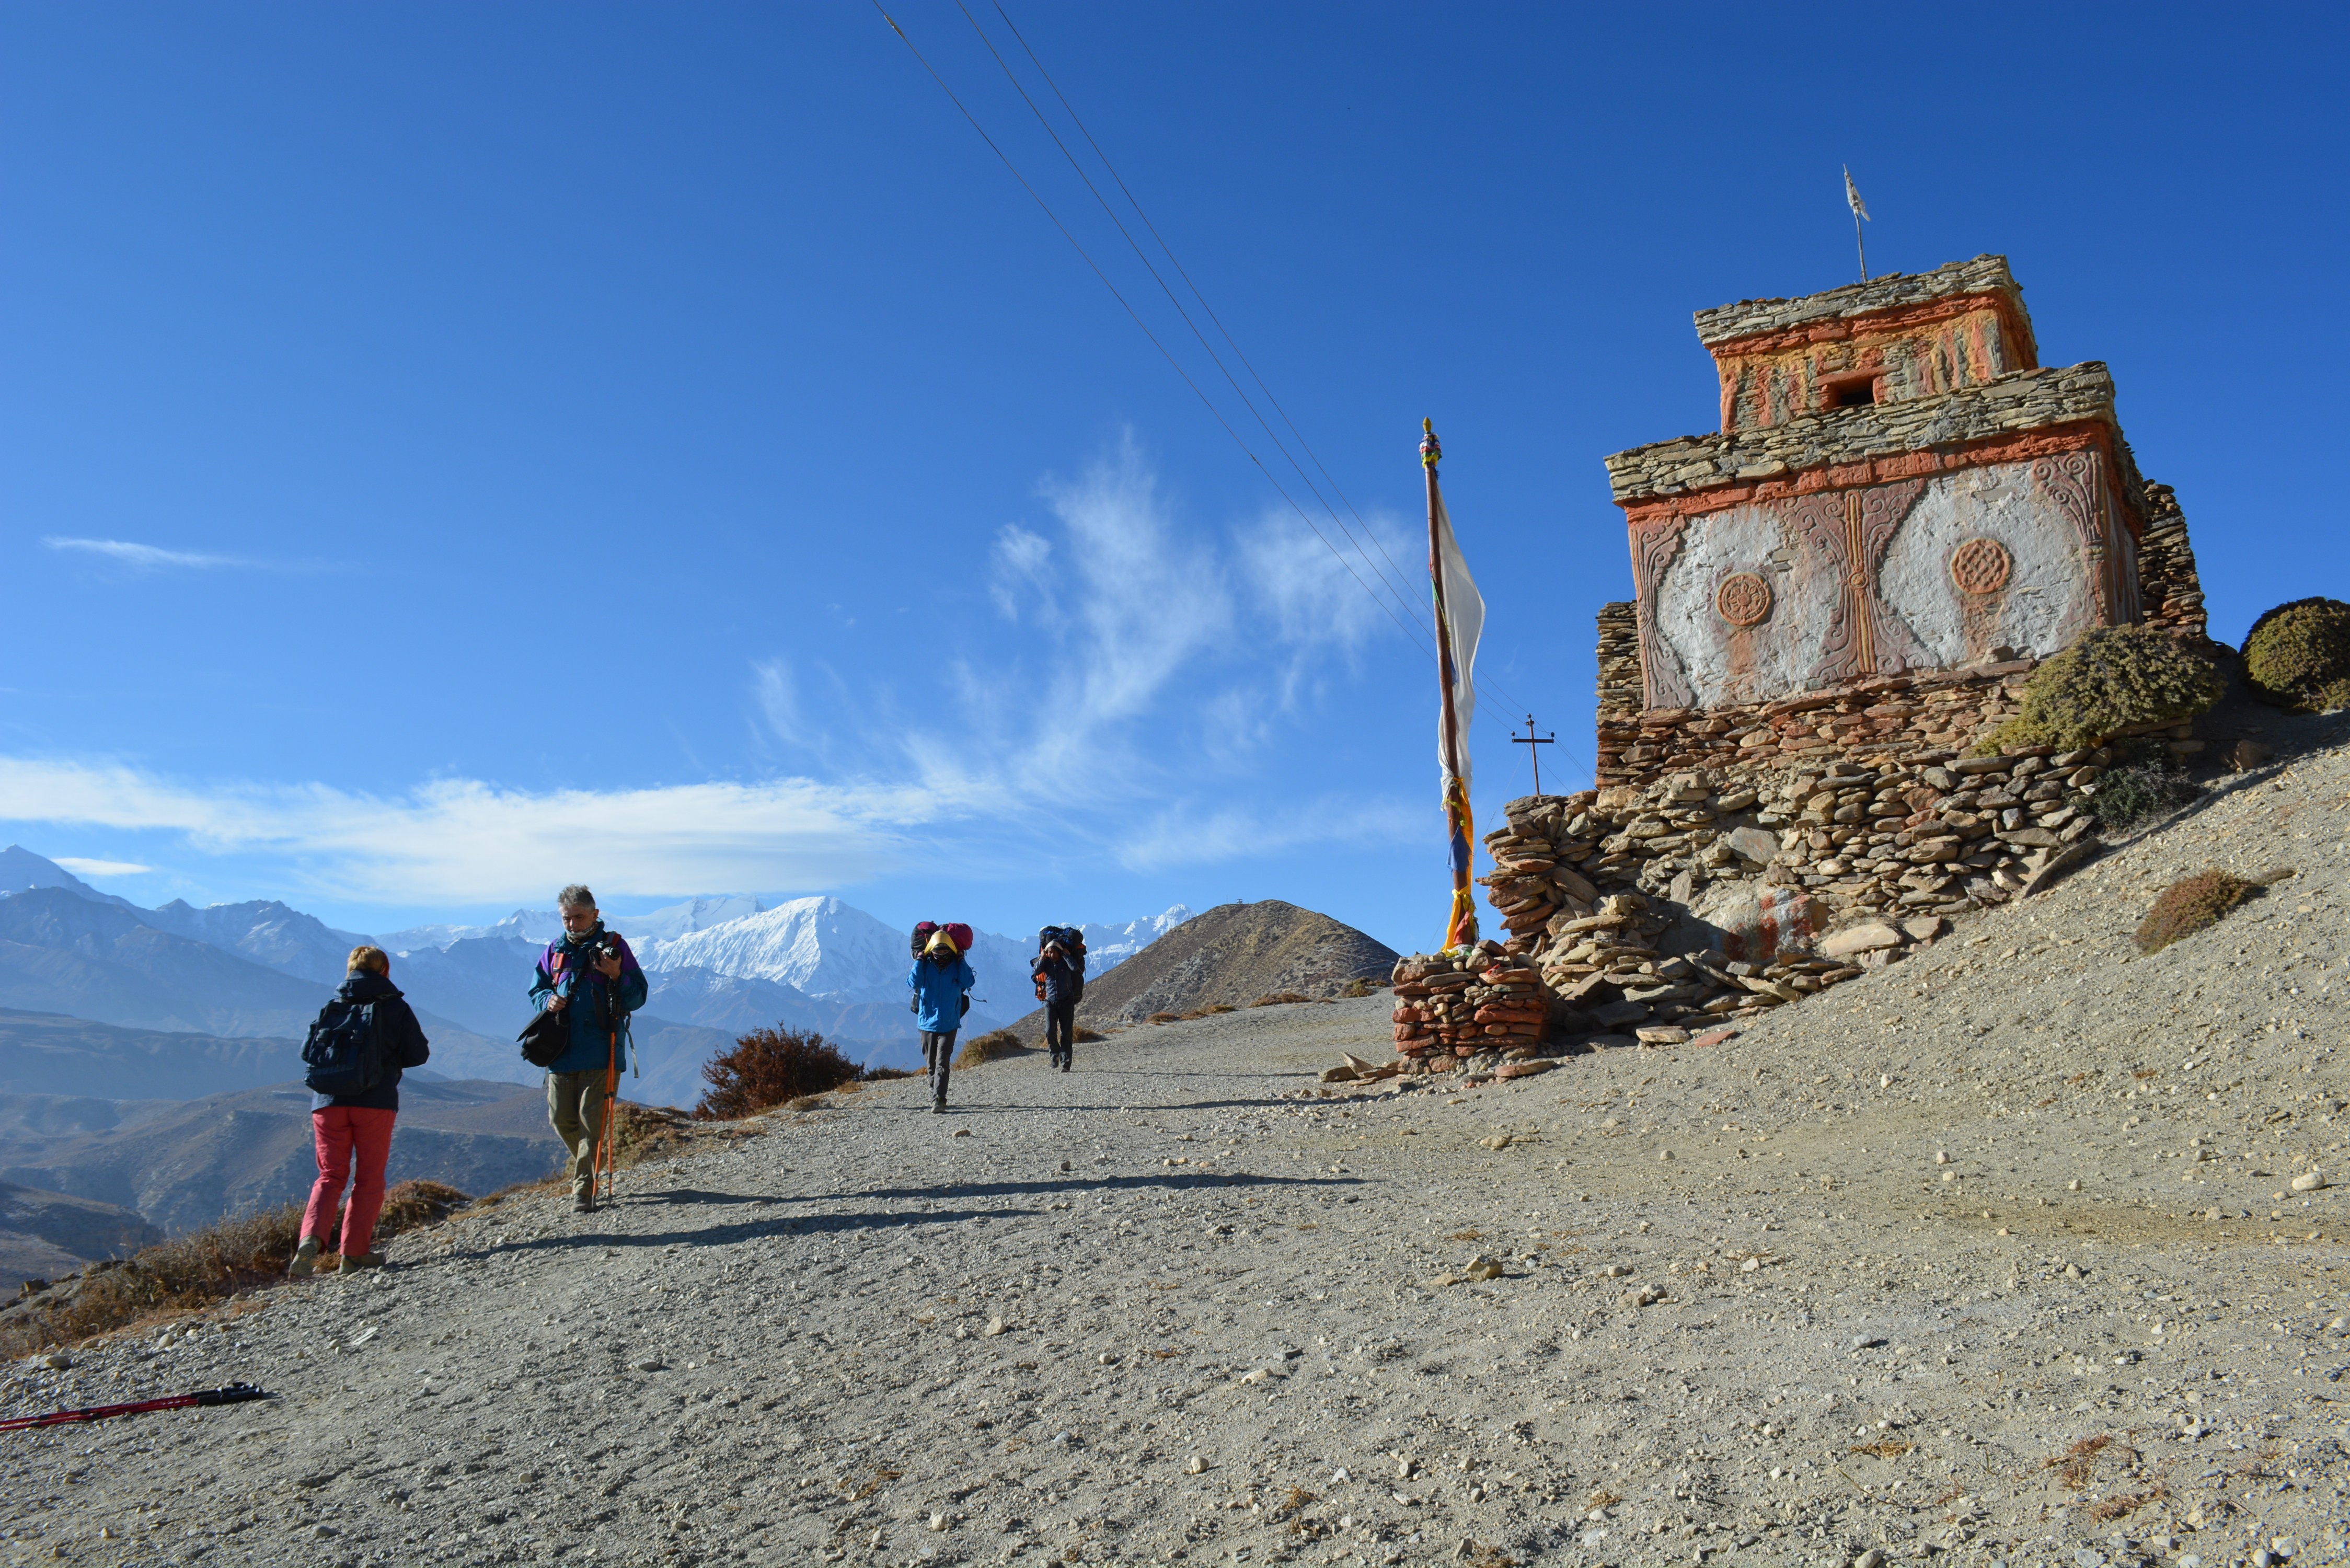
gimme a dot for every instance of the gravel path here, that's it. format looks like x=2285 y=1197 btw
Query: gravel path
x=1983 y=1254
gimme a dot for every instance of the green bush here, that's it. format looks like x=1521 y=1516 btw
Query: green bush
x=2298 y=655
x=2115 y=678
x=2190 y=905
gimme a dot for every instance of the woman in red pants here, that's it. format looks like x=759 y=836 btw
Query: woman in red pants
x=358 y=1125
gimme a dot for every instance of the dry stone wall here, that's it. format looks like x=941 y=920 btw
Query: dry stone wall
x=1689 y=901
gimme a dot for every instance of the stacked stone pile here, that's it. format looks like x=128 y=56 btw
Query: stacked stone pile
x=1704 y=895
x=1936 y=837
x=2167 y=581
x=1470 y=1010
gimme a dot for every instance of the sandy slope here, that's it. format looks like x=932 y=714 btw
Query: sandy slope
x=779 y=1351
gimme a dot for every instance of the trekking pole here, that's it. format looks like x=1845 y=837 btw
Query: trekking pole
x=606 y=1155
x=234 y=1394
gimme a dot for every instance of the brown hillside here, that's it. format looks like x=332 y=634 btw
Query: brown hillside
x=1232 y=954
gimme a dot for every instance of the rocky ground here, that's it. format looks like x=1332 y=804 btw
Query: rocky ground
x=1996 y=1253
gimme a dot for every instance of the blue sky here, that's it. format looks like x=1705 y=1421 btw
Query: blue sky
x=450 y=450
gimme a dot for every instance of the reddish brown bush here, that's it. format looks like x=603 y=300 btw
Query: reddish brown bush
x=767 y=1068
x=2190 y=905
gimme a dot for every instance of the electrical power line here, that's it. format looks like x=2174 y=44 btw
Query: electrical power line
x=1173 y=363
x=1406 y=627
x=1205 y=307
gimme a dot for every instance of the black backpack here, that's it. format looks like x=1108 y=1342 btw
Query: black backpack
x=1072 y=944
x=344 y=1051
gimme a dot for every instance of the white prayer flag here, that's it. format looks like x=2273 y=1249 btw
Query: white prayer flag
x=1464 y=623
x=1852 y=196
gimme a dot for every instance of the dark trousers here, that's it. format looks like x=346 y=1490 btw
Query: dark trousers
x=1061 y=1031
x=938 y=1054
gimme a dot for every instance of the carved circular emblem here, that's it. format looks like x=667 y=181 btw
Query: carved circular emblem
x=1744 y=599
x=1980 y=565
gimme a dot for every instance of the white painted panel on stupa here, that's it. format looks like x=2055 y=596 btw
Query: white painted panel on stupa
x=2047 y=600
x=1728 y=664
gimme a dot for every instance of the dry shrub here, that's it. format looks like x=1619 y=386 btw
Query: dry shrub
x=641 y=1133
x=189 y=1272
x=886 y=1074
x=413 y=1205
x=2077 y=1465
x=993 y=1046
x=1165 y=1018
x=2130 y=795
x=559 y=1182
x=1192 y=1014
x=1220 y=1007
x=2190 y=905
x=1084 y=1035
x=2115 y=678
x=1361 y=987
x=1887 y=1448
x=2122 y=1507
x=1279 y=998
x=767 y=1068
x=2298 y=655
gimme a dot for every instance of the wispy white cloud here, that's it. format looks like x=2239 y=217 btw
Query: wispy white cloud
x=81 y=867
x=1158 y=662
x=1020 y=572
x=1312 y=597
x=466 y=841
x=146 y=557
x=778 y=697
x=155 y=559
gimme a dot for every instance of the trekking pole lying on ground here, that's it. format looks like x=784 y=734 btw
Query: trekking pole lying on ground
x=234 y=1394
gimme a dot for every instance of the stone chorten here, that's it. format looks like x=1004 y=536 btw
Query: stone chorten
x=1898 y=492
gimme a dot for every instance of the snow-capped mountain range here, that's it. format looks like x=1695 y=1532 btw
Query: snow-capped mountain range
x=726 y=956
x=820 y=946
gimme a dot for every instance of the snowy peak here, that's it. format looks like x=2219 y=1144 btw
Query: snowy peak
x=20 y=870
x=820 y=946
x=537 y=927
x=265 y=931
x=683 y=919
x=1108 y=945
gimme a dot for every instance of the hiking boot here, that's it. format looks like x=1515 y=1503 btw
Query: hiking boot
x=583 y=1203
x=938 y=1106
x=354 y=1261
x=305 y=1260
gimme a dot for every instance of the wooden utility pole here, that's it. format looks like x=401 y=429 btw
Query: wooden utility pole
x=1530 y=741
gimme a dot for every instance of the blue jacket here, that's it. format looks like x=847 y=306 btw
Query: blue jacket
x=939 y=993
x=565 y=970
x=397 y=1030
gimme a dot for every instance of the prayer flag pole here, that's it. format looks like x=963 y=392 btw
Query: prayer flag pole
x=1859 y=212
x=1460 y=927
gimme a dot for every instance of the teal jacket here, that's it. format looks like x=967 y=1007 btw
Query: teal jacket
x=938 y=994
x=563 y=971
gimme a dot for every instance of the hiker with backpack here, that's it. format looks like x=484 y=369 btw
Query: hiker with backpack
x=363 y=1041
x=940 y=980
x=589 y=977
x=1059 y=972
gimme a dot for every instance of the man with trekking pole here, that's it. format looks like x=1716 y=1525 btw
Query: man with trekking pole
x=590 y=977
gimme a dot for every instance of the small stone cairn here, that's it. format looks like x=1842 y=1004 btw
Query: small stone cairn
x=1480 y=1009
x=1702 y=897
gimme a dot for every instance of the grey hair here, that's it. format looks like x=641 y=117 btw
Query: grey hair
x=576 y=897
